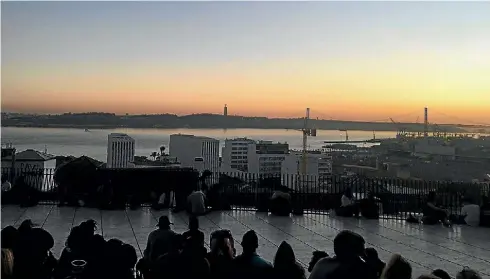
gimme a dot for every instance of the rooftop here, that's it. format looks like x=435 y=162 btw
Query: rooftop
x=193 y=136
x=426 y=247
x=31 y=155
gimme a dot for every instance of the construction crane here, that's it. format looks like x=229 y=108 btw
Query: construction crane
x=307 y=132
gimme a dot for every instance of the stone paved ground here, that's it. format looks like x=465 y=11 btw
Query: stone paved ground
x=426 y=247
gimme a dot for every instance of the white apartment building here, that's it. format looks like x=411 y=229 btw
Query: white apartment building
x=186 y=148
x=120 y=151
x=235 y=154
x=258 y=157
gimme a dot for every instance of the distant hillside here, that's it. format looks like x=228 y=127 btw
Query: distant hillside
x=167 y=121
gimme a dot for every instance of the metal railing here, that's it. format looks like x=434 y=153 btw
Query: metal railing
x=396 y=198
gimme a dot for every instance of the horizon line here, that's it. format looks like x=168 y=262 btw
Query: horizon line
x=386 y=121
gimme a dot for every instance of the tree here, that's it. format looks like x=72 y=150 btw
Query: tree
x=162 y=150
x=154 y=155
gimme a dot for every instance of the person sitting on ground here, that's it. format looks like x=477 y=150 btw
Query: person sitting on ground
x=285 y=264
x=7 y=264
x=369 y=208
x=441 y=274
x=249 y=264
x=348 y=205
x=280 y=203
x=196 y=203
x=159 y=240
x=194 y=232
x=221 y=256
x=317 y=255
x=372 y=259
x=470 y=214
x=468 y=273
x=397 y=268
x=433 y=213
x=348 y=261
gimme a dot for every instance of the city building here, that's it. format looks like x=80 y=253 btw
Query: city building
x=120 y=151
x=36 y=167
x=235 y=154
x=258 y=157
x=186 y=148
x=318 y=167
x=434 y=147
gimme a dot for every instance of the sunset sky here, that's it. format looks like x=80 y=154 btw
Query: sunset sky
x=345 y=60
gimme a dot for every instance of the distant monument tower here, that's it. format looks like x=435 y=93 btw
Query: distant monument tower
x=225 y=111
x=426 y=122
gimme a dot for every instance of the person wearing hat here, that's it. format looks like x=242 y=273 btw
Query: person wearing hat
x=249 y=264
x=159 y=240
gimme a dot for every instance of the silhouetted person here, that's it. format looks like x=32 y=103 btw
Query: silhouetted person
x=193 y=260
x=194 y=232
x=348 y=205
x=285 y=264
x=348 y=262
x=397 y=268
x=33 y=258
x=196 y=203
x=10 y=236
x=221 y=255
x=249 y=264
x=441 y=274
x=170 y=265
x=434 y=213
x=467 y=273
x=372 y=259
x=159 y=240
x=369 y=208
x=316 y=256
x=280 y=203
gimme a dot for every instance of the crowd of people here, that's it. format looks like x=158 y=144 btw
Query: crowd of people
x=26 y=253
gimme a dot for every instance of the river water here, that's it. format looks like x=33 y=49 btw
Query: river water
x=93 y=143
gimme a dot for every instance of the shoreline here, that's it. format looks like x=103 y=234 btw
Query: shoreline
x=108 y=127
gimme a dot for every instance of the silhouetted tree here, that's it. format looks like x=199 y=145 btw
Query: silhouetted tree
x=154 y=155
x=162 y=150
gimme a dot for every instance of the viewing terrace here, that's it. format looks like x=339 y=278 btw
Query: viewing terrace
x=426 y=247
x=309 y=228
